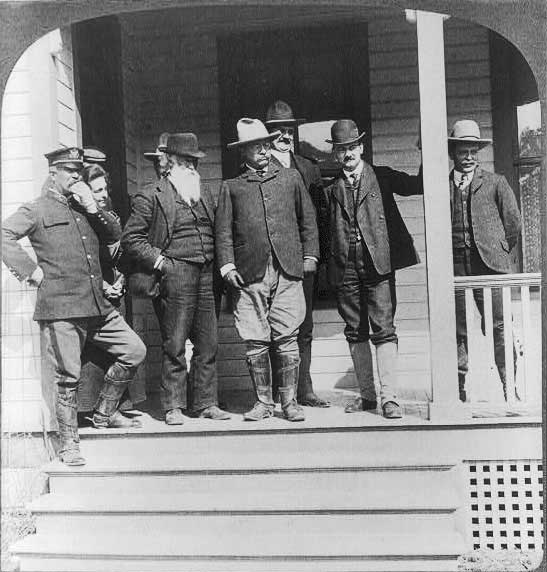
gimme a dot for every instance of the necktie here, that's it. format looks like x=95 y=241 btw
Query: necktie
x=463 y=182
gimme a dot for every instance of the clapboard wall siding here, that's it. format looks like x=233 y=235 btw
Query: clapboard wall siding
x=178 y=90
x=39 y=113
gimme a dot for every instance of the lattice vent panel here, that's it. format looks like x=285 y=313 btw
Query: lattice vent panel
x=506 y=504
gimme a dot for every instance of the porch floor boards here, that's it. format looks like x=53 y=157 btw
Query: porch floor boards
x=415 y=415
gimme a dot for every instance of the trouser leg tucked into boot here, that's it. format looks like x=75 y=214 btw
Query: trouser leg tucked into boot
x=67 y=418
x=386 y=361
x=287 y=364
x=361 y=356
x=106 y=414
x=261 y=376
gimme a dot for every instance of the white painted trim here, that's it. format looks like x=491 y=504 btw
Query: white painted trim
x=442 y=319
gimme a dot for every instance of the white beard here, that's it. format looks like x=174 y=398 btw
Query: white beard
x=187 y=183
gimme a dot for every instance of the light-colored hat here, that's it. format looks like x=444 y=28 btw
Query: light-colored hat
x=467 y=131
x=252 y=130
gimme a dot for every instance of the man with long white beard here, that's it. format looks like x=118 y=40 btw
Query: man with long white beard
x=170 y=235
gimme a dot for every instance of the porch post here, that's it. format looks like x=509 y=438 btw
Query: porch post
x=445 y=404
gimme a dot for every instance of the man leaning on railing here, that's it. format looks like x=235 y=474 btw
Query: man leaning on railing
x=486 y=224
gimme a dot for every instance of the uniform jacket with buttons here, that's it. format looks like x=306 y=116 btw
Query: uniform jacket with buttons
x=378 y=219
x=257 y=215
x=66 y=241
x=495 y=219
x=148 y=233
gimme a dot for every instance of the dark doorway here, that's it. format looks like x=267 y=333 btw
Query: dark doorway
x=97 y=59
x=321 y=72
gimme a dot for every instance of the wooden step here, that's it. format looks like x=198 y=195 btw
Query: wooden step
x=415 y=488
x=264 y=447
x=153 y=548
x=259 y=525
x=166 y=564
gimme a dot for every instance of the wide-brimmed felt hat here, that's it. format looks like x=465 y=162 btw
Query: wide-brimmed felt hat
x=344 y=132
x=65 y=155
x=162 y=142
x=250 y=131
x=184 y=145
x=280 y=113
x=467 y=131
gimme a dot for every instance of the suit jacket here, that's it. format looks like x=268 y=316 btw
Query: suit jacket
x=66 y=241
x=495 y=220
x=148 y=233
x=311 y=175
x=256 y=215
x=380 y=223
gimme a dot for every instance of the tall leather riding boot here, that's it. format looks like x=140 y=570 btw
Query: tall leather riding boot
x=288 y=364
x=361 y=355
x=461 y=387
x=66 y=407
x=500 y=363
x=261 y=375
x=106 y=413
x=276 y=382
x=386 y=362
x=305 y=394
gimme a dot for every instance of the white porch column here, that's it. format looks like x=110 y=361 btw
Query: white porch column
x=445 y=403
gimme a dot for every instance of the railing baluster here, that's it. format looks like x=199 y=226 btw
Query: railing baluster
x=508 y=342
x=526 y=338
x=488 y=331
x=481 y=352
x=471 y=386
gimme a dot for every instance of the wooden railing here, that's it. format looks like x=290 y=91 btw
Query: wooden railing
x=519 y=295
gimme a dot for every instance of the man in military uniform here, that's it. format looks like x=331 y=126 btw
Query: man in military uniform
x=65 y=228
x=280 y=117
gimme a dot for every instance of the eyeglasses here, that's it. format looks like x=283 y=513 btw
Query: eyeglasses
x=256 y=147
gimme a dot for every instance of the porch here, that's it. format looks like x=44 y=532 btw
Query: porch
x=348 y=492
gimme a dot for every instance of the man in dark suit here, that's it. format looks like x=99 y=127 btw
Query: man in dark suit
x=280 y=117
x=66 y=228
x=368 y=242
x=169 y=237
x=486 y=224
x=266 y=241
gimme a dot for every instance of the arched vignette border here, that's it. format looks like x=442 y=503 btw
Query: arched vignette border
x=522 y=22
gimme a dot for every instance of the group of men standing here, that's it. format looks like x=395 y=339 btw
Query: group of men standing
x=183 y=244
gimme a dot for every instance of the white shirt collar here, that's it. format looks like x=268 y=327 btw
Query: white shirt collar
x=467 y=178
x=357 y=171
x=283 y=158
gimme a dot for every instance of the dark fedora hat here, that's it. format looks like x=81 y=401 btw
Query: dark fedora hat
x=162 y=142
x=280 y=113
x=183 y=145
x=344 y=132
